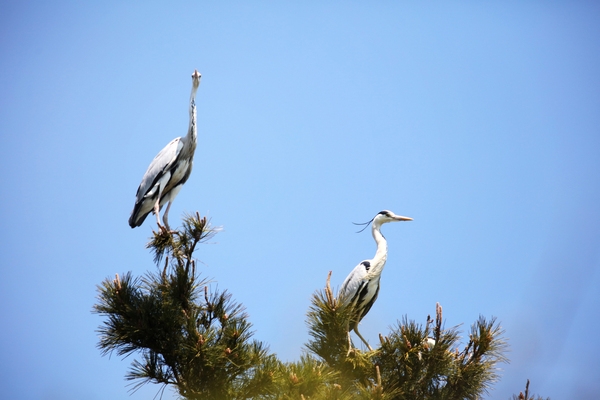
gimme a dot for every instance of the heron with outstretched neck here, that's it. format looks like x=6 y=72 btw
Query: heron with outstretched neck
x=167 y=173
x=360 y=289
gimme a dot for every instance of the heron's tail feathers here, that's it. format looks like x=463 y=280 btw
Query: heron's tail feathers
x=140 y=212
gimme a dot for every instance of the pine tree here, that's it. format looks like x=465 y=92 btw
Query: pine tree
x=413 y=361
x=200 y=342
x=197 y=341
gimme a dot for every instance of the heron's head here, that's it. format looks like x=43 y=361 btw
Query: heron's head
x=384 y=217
x=196 y=78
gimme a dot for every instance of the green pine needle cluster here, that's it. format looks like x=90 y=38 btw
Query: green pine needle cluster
x=186 y=336
x=413 y=361
x=199 y=341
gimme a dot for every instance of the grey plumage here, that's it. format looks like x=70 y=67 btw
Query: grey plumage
x=361 y=288
x=167 y=173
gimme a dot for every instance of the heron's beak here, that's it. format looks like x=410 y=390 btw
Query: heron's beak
x=401 y=218
x=196 y=75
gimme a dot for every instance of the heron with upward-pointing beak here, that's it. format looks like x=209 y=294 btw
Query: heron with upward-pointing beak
x=361 y=287
x=167 y=173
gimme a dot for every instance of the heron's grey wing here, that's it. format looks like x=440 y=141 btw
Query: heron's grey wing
x=155 y=179
x=366 y=298
x=354 y=281
x=158 y=167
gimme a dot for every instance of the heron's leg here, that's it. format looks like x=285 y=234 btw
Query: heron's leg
x=349 y=344
x=157 y=212
x=361 y=338
x=166 y=216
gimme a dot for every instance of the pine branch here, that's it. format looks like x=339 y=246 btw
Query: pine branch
x=184 y=335
x=526 y=396
x=413 y=361
x=182 y=243
x=328 y=321
x=307 y=378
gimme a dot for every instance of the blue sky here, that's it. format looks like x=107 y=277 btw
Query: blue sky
x=480 y=121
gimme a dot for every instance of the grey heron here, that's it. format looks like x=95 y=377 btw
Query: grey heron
x=361 y=287
x=167 y=173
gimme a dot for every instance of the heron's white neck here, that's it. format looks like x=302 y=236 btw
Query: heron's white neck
x=378 y=261
x=192 y=130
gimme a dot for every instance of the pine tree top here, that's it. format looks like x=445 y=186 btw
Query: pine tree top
x=200 y=342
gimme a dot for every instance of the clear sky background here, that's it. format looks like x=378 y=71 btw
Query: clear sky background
x=480 y=121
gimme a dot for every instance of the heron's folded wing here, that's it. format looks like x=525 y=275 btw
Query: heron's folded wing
x=352 y=283
x=157 y=168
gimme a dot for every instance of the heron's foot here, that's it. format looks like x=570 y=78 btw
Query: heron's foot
x=164 y=230
x=164 y=226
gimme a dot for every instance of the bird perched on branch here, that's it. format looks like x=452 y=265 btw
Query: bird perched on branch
x=361 y=287
x=167 y=173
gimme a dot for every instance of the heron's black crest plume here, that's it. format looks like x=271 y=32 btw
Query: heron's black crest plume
x=366 y=224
